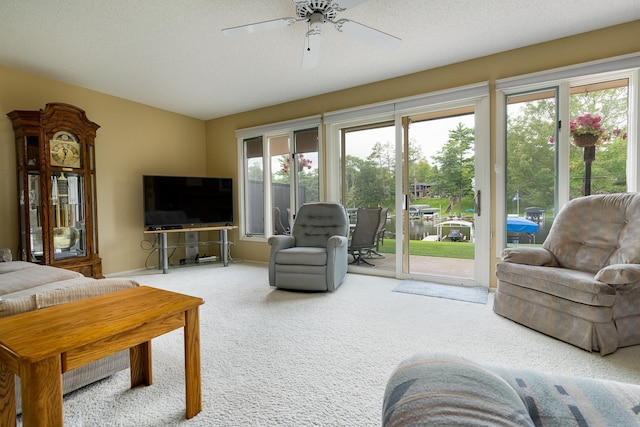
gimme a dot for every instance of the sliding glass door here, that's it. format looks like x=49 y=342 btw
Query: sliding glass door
x=439 y=181
x=531 y=197
x=368 y=180
x=422 y=167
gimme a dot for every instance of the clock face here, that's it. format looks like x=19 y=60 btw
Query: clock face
x=65 y=150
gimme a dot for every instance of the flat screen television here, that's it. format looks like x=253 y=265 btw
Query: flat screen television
x=186 y=201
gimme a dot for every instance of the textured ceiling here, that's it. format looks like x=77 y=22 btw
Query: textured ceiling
x=172 y=55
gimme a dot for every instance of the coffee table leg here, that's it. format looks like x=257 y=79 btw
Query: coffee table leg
x=7 y=397
x=192 y=372
x=42 y=393
x=140 y=364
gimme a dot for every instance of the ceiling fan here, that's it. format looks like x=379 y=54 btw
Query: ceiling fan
x=316 y=13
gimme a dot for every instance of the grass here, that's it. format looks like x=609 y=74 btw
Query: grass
x=462 y=250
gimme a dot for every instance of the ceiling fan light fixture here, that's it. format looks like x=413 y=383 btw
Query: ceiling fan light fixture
x=306 y=8
x=316 y=20
x=316 y=13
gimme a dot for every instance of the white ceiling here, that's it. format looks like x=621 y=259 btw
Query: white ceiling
x=171 y=54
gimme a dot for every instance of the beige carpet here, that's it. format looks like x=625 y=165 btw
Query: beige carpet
x=279 y=358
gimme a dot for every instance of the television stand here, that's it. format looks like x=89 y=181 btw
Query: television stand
x=163 y=253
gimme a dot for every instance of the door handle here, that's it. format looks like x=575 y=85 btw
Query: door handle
x=476 y=203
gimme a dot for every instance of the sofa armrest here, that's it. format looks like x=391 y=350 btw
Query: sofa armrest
x=441 y=389
x=5 y=255
x=620 y=276
x=529 y=256
x=51 y=297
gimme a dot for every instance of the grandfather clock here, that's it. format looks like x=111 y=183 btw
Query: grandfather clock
x=57 y=188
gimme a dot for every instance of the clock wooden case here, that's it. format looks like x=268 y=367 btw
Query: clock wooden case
x=55 y=149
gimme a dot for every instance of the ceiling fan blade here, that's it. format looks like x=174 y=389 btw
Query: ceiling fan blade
x=311 y=49
x=259 y=26
x=367 y=34
x=341 y=5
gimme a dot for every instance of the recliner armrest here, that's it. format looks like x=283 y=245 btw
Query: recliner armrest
x=529 y=256
x=278 y=243
x=281 y=242
x=336 y=241
x=619 y=276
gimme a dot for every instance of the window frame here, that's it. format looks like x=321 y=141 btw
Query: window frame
x=266 y=132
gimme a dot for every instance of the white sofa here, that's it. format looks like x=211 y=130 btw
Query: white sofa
x=27 y=286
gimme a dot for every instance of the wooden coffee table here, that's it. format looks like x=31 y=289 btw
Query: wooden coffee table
x=40 y=345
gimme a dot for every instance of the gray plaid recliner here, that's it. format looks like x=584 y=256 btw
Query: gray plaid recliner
x=583 y=285
x=314 y=256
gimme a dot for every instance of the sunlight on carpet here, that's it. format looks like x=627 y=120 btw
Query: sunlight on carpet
x=475 y=294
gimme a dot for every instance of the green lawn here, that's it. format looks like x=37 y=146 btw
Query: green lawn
x=463 y=250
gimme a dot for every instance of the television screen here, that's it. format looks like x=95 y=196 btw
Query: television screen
x=180 y=201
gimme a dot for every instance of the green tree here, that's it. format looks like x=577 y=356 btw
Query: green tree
x=309 y=180
x=531 y=147
x=371 y=188
x=531 y=153
x=383 y=157
x=352 y=167
x=456 y=165
x=255 y=172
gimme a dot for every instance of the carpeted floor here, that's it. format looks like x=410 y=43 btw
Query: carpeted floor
x=475 y=294
x=280 y=358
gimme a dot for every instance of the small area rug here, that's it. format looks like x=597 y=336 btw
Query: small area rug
x=475 y=294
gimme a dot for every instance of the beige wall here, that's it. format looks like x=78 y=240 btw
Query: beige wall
x=133 y=140
x=613 y=41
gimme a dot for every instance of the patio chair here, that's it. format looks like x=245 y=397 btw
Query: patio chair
x=379 y=235
x=278 y=226
x=363 y=238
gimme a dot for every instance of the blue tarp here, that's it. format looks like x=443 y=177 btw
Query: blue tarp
x=519 y=225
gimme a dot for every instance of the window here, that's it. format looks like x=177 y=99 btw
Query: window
x=280 y=172
x=601 y=169
x=253 y=180
x=545 y=162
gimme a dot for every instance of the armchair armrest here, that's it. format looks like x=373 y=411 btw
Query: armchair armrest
x=620 y=276
x=529 y=256
x=281 y=242
x=5 y=255
x=278 y=243
x=336 y=241
x=337 y=254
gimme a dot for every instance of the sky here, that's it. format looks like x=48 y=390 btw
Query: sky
x=430 y=136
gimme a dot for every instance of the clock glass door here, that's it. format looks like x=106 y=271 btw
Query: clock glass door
x=35 y=218
x=68 y=207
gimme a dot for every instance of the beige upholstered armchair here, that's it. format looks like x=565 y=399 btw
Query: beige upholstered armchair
x=583 y=285
x=314 y=256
